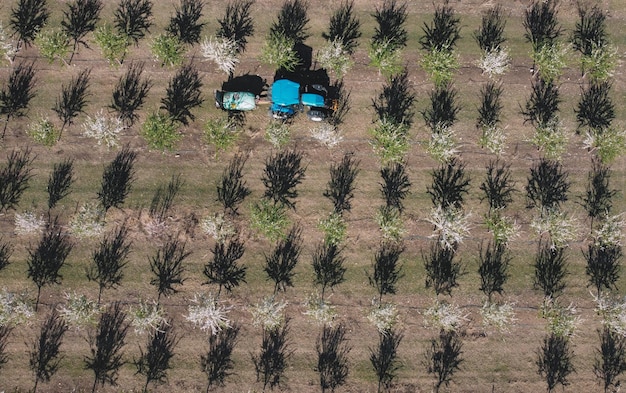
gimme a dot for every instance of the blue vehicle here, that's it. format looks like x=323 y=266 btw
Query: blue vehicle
x=289 y=97
x=285 y=99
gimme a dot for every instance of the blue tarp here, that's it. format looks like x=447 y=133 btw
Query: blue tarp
x=285 y=92
x=311 y=99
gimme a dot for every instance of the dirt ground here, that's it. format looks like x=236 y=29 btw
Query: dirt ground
x=493 y=361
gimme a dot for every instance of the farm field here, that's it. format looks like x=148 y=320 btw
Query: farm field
x=493 y=360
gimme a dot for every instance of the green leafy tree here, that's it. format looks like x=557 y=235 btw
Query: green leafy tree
x=554 y=360
x=223 y=269
x=280 y=263
x=167 y=267
x=73 y=99
x=237 y=23
x=183 y=94
x=27 y=18
x=14 y=178
x=79 y=19
x=185 y=23
x=46 y=259
x=344 y=27
x=45 y=356
x=109 y=260
x=332 y=357
x=340 y=187
x=106 y=346
x=117 y=179
x=218 y=363
x=133 y=18
x=60 y=181
x=154 y=361
x=16 y=95
x=292 y=21
x=130 y=93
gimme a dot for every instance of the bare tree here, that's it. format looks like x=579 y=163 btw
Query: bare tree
x=44 y=358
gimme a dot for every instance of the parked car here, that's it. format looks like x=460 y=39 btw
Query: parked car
x=235 y=100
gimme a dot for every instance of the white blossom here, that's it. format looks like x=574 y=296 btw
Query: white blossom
x=206 y=314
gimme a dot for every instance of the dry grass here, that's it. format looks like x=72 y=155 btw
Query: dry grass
x=505 y=362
